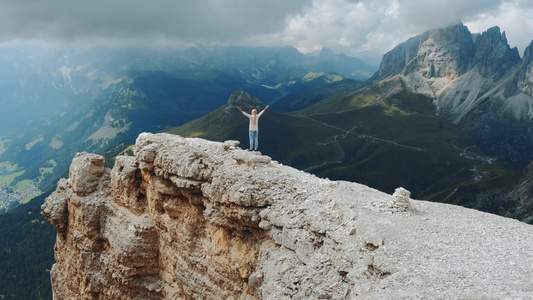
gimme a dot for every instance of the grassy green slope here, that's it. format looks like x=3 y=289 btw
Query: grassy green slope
x=393 y=138
x=413 y=151
x=383 y=136
x=374 y=94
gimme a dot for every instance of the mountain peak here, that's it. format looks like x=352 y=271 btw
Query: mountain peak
x=438 y=53
x=528 y=53
x=431 y=64
x=444 y=52
x=493 y=44
x=243 y=99
x=326 y=51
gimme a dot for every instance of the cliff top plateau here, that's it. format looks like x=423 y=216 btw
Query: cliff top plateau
x=188 y=218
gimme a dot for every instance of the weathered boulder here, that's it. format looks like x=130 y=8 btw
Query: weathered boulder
x=85 y=172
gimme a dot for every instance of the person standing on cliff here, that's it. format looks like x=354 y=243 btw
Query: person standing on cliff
x=254 y=126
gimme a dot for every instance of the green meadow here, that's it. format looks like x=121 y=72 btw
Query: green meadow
x=8 y=179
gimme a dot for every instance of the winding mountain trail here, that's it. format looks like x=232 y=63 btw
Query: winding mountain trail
x=361 y=136
x=344 y=135
x=472 y=155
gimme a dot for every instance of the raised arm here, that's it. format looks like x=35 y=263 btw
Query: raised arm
x=259 y=114
x=243 y=112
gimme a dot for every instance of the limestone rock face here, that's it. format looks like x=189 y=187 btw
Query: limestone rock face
x=193 y=219
x=444 y=53
x=85 y=173
x=524 y=76
x=463 y=72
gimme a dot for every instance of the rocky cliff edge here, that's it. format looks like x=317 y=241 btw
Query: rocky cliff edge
x=193 y=219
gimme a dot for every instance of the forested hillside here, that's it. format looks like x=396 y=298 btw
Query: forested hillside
x=26 y=253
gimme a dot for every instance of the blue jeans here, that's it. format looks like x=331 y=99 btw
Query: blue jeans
x=254 y=139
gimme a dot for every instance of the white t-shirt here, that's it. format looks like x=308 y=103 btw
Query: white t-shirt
x=254 y=120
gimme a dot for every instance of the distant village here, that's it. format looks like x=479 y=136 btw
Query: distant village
x=9 y=195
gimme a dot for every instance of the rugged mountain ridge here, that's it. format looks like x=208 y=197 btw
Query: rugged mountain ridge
x=475 y=81
x=192 y=219
x=463 y=72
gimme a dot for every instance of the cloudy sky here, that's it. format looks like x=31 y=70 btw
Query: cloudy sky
x=363 y=28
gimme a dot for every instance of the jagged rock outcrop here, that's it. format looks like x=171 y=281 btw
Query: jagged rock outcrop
x=462 y=71
x=493 y=54
x=449 y=53
x=523 y=79
x=475 y=80
x=444 y=53
x=193 y=219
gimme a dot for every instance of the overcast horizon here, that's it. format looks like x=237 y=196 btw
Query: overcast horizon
x=366 y=29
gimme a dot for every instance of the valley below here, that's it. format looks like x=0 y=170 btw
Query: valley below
x=446 y=116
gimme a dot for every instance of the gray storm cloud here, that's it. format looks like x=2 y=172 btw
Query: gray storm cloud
x=198 y=20
x=364 y=27
x=438 y=13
